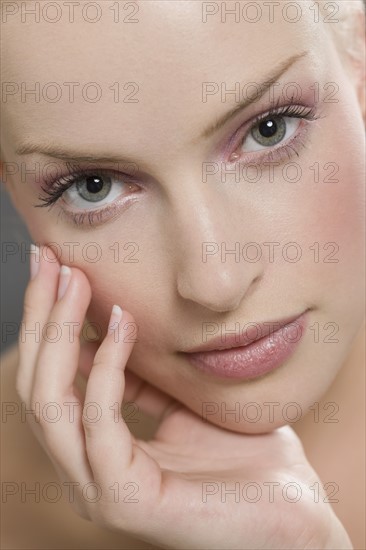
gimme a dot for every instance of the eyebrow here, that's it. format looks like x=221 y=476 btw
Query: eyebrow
x=67 y=155
x=245 y=103
x=63 y=154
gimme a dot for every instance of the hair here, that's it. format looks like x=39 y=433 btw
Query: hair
x=348 y=32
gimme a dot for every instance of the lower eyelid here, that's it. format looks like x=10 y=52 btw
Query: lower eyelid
x=102 y=215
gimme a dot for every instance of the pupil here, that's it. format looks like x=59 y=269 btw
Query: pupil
x=94 y=184
x=268 y=128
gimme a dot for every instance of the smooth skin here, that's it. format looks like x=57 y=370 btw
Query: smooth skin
x=170 y=292
x=170 y=469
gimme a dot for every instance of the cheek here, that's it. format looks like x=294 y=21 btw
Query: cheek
x=137 y=281
x=146 y=294
x=336 y=214
x=324 y=212
x=124 y=264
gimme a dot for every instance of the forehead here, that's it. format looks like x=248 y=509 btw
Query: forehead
x=118 y=65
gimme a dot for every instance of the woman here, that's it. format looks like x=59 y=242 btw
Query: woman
x=192 y=175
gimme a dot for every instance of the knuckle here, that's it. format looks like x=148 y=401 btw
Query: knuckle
x=20 y=387
x=35 y=409
x=80 y=509
x=102 y=516
x=28 y=305
x=21 y=393
x=90 y=423
x=96 y=515
x=100 y=360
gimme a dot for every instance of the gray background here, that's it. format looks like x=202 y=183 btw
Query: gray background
x=14 y=270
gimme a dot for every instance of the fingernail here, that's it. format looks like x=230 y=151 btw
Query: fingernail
x=34 y=259
x=65 y=276
x=115 y=318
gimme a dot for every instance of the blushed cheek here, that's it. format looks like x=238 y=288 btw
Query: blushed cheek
x=131 y=285
x=122 y=266
x=111 y=283
x=336 y=217
x=343 y=201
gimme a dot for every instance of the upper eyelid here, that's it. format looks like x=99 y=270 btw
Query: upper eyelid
x=82 y=172
x=279 y=111
x=246 y=126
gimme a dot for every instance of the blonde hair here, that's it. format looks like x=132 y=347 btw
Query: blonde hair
x=349 y=30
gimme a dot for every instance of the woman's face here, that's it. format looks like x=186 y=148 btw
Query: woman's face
x=179 y=191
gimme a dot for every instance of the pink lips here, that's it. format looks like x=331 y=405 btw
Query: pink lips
x=259 y=349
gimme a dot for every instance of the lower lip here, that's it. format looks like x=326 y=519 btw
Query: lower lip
x=255 y=359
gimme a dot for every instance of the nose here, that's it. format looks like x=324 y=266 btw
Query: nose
x=209 y=235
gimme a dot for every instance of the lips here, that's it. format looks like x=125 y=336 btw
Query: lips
x=256 y=350
x=251 y=332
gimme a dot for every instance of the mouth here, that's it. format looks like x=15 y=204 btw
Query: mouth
x=261 y=348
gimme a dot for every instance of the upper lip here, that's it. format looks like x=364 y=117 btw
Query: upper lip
x=256 y=330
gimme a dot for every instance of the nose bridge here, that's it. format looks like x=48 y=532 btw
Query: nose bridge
x=208 y=235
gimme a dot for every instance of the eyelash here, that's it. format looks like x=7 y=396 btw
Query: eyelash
x=279 y=152
x=55 y=189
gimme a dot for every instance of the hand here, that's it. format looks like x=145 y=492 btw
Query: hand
x=174 y=490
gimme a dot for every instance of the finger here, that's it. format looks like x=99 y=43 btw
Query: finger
x=86 y=359
x=148 y=399
x=39 y=299
x=112 y=451
x=53 y=387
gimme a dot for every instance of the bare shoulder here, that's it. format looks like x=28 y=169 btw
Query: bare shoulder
x=35 y=513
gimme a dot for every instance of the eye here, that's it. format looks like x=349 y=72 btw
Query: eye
x=269 y=132
x=91 y=190
x=90 y=196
